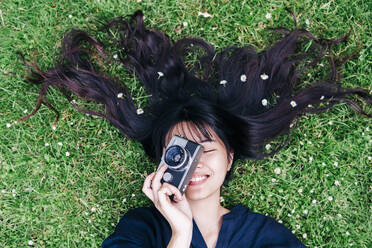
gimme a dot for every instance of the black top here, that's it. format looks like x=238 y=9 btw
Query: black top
x=146 y=227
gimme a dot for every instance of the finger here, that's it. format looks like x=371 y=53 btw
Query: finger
x=156 y=184
x=174 y=190
x=146 y=189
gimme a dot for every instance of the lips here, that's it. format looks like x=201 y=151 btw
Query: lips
x=191 y=183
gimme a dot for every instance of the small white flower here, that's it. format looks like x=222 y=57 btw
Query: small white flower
x=139 y=1
x=293 y=104
x=312 y=191
x=70 y=16
x=30 y=243
x=124 y=200
x=277 y=171
x=347 y=233
x=28 y=189
x=268 y=15
x=309 y=105
x=367 y=129
x=8 y=125
x=289 y=215
x=264 y=102
x=3 y=191
x=67 y=154
x=223 y=82
x=280 y=221
x=304 y=235
x=335 y=163
x=71 y=123
x=243 y=78
x=47 y=144
x=337 y=183
x=306 y=211
x=264 y=76
x=369 y=158
x=311 y=159
x=133 y=195
x=160 y=74
x=204 y=14
x=140 y=111
x=115 y=56
x=120 y=95
x=322 y=97
x=313 y=201
x=330 y=198
x=222 y=199
x=93 y=209
x=339 y=215
x=59 y=143
x=309 y=142
x=25 y=111
x=291 y=125
x=293 y=211
x=273 y=180
x=356 y=183
x=54 y=127
x=300 y=191
x=268 y=146
x=298 y=226
x=330 y=122
x=307 y=22
x=293 y=231
x=324 y=164
x=89 y=221
x=185 y=24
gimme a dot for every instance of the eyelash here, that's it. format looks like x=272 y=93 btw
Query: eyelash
x=209 y=151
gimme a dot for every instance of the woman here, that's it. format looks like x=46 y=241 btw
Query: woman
x=233 y=102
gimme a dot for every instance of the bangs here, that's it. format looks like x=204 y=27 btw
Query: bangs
x=194 y=131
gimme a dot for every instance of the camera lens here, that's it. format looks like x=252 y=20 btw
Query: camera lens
x=175 y=156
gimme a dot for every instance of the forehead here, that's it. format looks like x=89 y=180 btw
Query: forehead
x=191 y=131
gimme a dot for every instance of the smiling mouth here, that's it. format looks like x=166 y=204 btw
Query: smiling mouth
x=198 y=180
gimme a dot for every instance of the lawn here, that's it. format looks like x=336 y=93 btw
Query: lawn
x=69 y=187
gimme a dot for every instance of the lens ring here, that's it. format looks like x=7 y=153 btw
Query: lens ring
x=175 y=156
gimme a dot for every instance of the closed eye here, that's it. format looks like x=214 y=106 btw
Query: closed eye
x=209 y=150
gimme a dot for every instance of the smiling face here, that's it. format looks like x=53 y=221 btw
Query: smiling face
x=213 y=164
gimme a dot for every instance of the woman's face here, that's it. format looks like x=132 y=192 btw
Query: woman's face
x=212 y=166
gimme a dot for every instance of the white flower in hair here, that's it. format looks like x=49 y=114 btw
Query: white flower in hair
x=120 y=95
x=160 y=74
x=140 y=111
x=243 y=78
x=223 y=82
x=264 y=102
x=293 y=104
x=264 y=76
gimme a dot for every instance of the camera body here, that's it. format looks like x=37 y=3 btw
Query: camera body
x=181 y=156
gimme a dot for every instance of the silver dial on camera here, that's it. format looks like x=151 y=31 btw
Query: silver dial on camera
x=167 y=177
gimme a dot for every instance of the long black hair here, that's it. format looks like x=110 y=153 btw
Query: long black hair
x=247 y=98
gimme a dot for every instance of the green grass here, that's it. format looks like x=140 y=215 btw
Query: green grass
x=56 y=200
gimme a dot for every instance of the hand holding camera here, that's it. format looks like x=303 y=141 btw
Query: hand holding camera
x=177 y=213
x=166 y=186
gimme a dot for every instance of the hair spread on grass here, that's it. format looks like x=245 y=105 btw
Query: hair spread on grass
x=248 y=98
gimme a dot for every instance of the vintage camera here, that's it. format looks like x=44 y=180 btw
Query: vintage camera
x=181 y=156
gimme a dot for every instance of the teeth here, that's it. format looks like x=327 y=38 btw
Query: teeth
x=197 y=179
